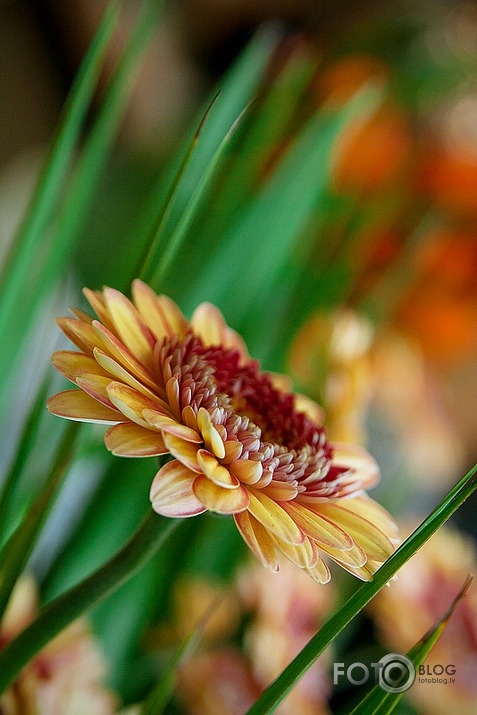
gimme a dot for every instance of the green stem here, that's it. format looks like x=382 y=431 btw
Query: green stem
x=280 y=687
x=60 y=612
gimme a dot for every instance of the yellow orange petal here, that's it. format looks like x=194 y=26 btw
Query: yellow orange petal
x=110 y=343
x=318 y=527
x=375 y=513
x=130 y=440
x=374 y=542
x=72 y=364
x=80 y=333
x=249 y=471
x=172 y=494
x=131 y=402
x=171 y=426
x=358 y=459
x=185 y=452
x=160 y=313
x=273 y=517
x=97 y=387
x=353 y=558
x=78 y=405
x=280 y=491
x=257 y=539
x=208 y=323
x=212 y=438
x=218 y=499
x=215 y=471
x=118 y=372
x=129 y=325
x=306 y=555
x=96 y=300
x=320 y=573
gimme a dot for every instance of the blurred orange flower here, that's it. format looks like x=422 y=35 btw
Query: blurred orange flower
x=64 y=678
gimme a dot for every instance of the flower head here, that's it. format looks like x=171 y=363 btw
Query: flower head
x=241 y=443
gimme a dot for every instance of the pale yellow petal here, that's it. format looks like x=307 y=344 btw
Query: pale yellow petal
x=374 y=542
x=172 y=494
x=97 y=387
x=306 y=555
x=218 y=499
x=130 y=440
x=273 y=517
x=79 y=406
x=318 y=527
x=184 y=451
x=320 y=573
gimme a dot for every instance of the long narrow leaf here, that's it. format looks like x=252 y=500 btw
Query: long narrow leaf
x=15 y=553
x=29 y=249
x=42 y=266
x=275 y=693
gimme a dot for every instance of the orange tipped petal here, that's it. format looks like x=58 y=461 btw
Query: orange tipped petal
x=257 y=539
x=273 y=517
x=218 y=499
x=97 y=387
x=80 y=333
x=318 y=527
x=215 y=472
x=130 y=440
x=72 y=364
x=358 y=459
x=160 y=313
x=171 y=492
x=78 y=405
x=212 y=439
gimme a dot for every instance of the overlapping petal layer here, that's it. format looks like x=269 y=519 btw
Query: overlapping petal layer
x=241 y=442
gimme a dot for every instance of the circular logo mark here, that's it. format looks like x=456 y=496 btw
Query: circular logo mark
x=396 y=673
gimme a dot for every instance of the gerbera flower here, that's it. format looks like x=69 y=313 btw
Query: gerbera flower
x=242 y=443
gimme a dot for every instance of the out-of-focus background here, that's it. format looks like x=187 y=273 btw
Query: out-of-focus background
x=394 y=365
